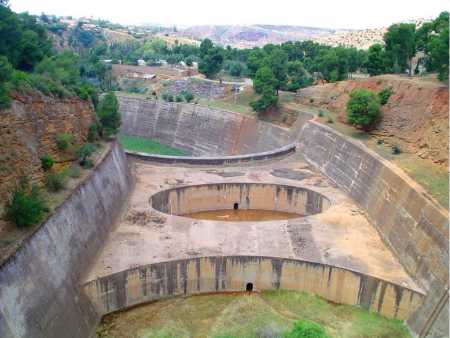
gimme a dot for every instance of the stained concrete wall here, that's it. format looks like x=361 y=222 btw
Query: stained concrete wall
x=199 y=130
x=211 y=274
x=214 y=160
x=39 y=285
x=414 y=227
x=206 y=197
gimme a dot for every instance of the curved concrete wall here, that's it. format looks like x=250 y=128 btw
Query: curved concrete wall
x=214 y=160
x=195 y=198
x=215 y=274
x=40 y=292
x=199 y=130
x=413 y=226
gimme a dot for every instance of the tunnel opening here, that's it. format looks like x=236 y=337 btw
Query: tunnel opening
x=249 y=287
x=223 y=202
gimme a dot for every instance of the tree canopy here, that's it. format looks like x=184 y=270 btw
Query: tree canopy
x=363 y=108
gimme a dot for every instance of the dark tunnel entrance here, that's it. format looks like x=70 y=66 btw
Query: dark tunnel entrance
x=236 y=206
x=249 y=287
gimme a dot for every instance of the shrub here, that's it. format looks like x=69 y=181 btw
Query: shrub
x=330 y=120
x=6 y=71
x=188 y=96
x=267 y=100
x=311 y=100
x=83 y=154
x=108 y=114
x=384 y=95
x=179 y=98
x=321 y=114
x=47 y=162
x=64 y=141
x=87 y=164
x=55 y=182
x=363 y=108
x=306 y=329
x=26 y=206
x=92 y=133
x=169 y=98
x=396 y=149
x=380 y=141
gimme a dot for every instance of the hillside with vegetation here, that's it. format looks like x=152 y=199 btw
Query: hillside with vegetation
x=54 y=127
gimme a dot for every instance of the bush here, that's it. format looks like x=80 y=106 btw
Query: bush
x=320 y=114
x=83 y=154
x=6 y=71
x=92 y=133
x=179 y=98
x=396 y=149
x=108 y=114
x=188 y=96
x=305 y=329
x=64 y=141
x=267 y=100
x=363 y=108
x=55 y=182
x=26 y=206
x=47 y=162
x=88 y=164
x=384 y=95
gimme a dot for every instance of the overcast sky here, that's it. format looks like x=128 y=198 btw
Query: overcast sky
x=316 y=13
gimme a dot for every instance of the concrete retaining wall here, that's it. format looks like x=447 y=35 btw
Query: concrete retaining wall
x=212 y=274
x=214 y=160
x=413 y=226
x=199 y=130
x=39 y=285
x=195 y=198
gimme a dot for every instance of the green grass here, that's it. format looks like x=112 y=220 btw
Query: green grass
x=268 y=314
x=433 y=178
x=147 y=145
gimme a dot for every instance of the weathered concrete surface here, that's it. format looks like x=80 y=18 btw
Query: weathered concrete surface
x=40 y=285
x=413 y=226
x=214 y=160
x=340 y=236
x=259 y=196
x=200 y=131
x=211 y=274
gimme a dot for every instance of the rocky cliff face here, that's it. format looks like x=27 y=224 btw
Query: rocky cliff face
x=416 y=116
x=28 y=130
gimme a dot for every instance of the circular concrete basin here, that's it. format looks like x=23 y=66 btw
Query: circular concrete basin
x=239 y=202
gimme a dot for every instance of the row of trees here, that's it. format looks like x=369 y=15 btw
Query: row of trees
x=28 y=60
x=402 y=42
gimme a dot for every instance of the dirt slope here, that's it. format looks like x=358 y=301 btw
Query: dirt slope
x=416 y=116
x=28 y=130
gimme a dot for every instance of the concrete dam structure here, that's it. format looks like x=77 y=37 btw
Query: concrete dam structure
x=205 y=132
x=367 y=236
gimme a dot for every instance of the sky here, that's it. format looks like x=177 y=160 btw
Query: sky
x=345 y=14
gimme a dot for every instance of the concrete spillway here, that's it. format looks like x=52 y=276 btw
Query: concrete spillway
x=202 y=131
x=370 y=236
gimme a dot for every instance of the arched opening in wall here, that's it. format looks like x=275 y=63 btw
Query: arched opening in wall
x=236 y=206
x=249 y=287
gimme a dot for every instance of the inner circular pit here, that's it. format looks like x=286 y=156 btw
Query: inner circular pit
x=240 y=202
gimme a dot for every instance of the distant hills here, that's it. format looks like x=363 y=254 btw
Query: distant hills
x=259 y=35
